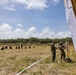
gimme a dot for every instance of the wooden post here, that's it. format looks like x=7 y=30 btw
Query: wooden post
x=74 y=6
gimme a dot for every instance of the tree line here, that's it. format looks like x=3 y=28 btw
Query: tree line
x=33 y=40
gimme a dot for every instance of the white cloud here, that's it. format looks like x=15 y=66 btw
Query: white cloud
x=20 y=25
x=63 y=34
x=5 y=27
x=29 y=4
x=9 y=8
x=32 y=30
x=56 y=1
x=7 y=31
x=18 y=33
x=36 y=4
x=47 y=33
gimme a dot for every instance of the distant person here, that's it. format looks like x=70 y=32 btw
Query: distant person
x=2 y=48
x=62 y=47
x=21 y=46
x=18 y=47
x=53 y=51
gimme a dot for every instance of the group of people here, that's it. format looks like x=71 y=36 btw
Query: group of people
x=61 y=47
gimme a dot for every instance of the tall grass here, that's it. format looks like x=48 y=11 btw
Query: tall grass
x=13 y=61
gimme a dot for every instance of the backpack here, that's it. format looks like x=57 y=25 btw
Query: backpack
x=68 y=60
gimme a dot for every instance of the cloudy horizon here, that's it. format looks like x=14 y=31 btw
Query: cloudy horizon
x=7 y=32
x=33 y=18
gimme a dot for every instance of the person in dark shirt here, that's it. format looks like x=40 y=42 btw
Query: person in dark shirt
x=21 y=46
x=62 y=47
x=53 y=51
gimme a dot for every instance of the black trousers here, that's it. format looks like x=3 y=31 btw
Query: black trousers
x=53 y=56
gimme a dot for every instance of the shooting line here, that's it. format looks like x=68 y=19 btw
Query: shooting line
x=32 y=65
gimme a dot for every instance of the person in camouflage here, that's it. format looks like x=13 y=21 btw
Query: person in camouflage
x=53 y=51
x=62 y=47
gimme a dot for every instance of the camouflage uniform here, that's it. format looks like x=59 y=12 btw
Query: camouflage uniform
x=62 y=47
x=53 y=51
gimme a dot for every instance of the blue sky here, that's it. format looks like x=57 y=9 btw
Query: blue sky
x=33 y=18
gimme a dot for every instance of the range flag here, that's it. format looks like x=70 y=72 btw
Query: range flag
x=70 y=8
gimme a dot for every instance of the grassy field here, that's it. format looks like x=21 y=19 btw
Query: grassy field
x=14 y=60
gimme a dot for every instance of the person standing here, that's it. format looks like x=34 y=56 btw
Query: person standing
x=21 y=46
x=53 y=51
x=62 y=47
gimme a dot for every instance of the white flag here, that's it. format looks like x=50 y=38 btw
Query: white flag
x=70 y=7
